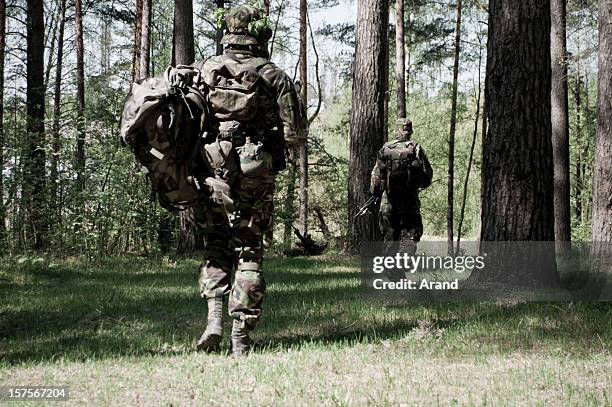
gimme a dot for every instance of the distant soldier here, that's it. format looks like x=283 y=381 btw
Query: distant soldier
x=257 y=113
x=401 y=170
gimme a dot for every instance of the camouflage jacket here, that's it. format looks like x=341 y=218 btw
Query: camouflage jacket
x=279 y=108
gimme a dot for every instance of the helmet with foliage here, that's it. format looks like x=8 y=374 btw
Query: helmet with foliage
x=245 y=25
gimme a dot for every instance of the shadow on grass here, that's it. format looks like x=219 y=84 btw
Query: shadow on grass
x=144 y=307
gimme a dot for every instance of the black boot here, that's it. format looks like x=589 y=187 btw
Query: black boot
x=213 y=335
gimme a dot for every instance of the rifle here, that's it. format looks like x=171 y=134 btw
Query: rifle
x=368 y=207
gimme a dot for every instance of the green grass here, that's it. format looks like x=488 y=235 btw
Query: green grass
x=122 y=331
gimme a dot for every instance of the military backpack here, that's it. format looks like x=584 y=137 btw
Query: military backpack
x=404 y=167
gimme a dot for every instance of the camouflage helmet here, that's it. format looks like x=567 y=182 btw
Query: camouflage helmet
x=404 y=126
x=246 y=25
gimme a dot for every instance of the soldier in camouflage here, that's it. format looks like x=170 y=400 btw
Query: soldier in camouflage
x=401 y=170
x=257 y=113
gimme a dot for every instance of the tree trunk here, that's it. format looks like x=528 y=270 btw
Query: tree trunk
x=289 y=206
x=451 y=137
x=400 y=60
x=578 y=186
x=183 y=53
x=560 y=122
x=3 y=240
x=602 y=185
x=266 y=7
x=303 y=210
x=182 y=41
x=34 y=168
x=368 y=129
x=518 y=168
x=145 y=39
x=57 y=113
x=137 y=41
x=219 y=34
x=80 y=78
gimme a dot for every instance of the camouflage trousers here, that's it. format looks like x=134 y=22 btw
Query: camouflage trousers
x=401 y=223
x=236 y=238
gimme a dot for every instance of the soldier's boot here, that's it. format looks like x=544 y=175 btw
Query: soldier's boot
x=213 y=335
x=242 y=344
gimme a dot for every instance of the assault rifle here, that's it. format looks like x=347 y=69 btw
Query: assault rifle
x=369 y=207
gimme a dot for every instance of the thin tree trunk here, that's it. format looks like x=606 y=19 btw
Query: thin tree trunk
x=303 y=210
x=471 y=159
x=560 y=122
x=289 y=207
x=400 y=60
x=34 y=170
x=368 y=129
x=451 y=137
x=219 y=34
x=137 y=41
x=3 y=241
x=183 y=53
x=57 y=114
x=145 y=39
x=602 y=185
x=578 y=191
x=80 y=96
x=266 y=7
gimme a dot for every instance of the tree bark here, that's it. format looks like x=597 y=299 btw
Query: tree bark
x=303 y=210
x=560 y=122
x=34 y=168
x=578 y=185
x=57 y=113
x=80 y=96
x=368 y=128
x=137 y=41
x=451 y=137
x=518 y=168
x=3 y=240
x=602 y=185
x=145 y=39
x=400 y=60
x=183 y=53
x=219 y=34
x=182 y=41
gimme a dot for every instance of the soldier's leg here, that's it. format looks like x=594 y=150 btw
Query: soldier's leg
x=255 y=209
x=215 y=271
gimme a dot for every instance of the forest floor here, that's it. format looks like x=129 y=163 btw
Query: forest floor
x=122 y=331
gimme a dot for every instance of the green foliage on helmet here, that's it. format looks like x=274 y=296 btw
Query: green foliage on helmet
x=258 y=27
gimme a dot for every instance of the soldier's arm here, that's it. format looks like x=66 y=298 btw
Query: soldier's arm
x=427 y=170
x=290 y=108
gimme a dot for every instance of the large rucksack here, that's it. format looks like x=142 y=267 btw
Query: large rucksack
x=403 y=176
x=162 y=121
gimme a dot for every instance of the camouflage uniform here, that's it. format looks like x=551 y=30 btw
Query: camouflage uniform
x=238 y=219
x=400 y=208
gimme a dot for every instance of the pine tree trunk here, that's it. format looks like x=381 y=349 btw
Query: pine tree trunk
x=3 y=240
x=518 y=168
x=303 y=210
x=400 y=60
x=145 y=39
x=80 y=96
x=560 y=122
x=602 y=185
x=34 y=168
x=182 y=41
x=57 y=113
x=578 y=185
x=368 y=129
x=183 y=53
x=137 y=41
x=219 y=33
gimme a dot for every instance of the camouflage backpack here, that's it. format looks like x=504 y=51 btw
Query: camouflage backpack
x=235 y=87
x=404 y=174
x=161 y=122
